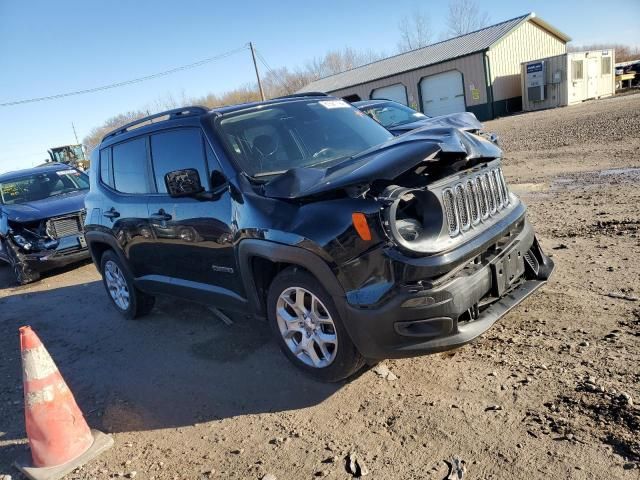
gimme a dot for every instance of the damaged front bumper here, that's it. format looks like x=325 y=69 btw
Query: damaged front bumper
x=432 y=316
x=68 y=250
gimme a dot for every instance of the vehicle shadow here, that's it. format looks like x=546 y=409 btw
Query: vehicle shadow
x=178 y=366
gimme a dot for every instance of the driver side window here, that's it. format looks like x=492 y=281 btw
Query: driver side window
x=176 y=150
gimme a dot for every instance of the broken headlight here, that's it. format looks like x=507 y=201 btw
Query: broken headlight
x=413 y=218
x=22 y=242
x=29 y=240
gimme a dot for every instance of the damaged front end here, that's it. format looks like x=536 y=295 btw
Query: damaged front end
x=34 y=246
x=456 y=251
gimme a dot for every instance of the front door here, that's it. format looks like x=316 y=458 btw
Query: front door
x=193 y=238
x=592 y=78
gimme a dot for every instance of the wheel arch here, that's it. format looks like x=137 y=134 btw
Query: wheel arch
x=261 y=260
x=99 y=243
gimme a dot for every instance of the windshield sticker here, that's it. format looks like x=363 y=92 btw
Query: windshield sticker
x=67 y=172
x=333 y=104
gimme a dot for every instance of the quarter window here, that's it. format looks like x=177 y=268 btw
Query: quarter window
x=177 y=150
x=106 y=172
x=130 y=166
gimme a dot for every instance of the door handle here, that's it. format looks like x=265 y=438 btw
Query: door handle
x=160 y=215
x=111 y=213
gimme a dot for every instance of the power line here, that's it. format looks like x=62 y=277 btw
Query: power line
x=270 y=70
x=126 y=82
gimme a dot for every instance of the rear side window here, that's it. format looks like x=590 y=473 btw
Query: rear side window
x=177 y=150
x=129 y=161
x=106 y=172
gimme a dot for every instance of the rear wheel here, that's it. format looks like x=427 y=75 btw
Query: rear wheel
x=118 y=281
x=309 y=329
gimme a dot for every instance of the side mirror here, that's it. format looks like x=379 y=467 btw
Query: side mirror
x=183 y=183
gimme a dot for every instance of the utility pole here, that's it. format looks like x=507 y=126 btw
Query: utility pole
x=74 y=133
x=255 y=65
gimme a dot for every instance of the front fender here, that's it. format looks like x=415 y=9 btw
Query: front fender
x=276 y=252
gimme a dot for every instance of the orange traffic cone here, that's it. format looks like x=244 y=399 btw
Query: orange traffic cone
x=59 y=437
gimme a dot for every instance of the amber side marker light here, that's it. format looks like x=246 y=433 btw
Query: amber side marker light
x=361 y=225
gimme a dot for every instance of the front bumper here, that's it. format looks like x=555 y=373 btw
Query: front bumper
x=70 y=249
x=42 y=261
x=436 y=316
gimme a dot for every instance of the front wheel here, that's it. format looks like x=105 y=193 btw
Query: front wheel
x=309 y=329
x=21 y=271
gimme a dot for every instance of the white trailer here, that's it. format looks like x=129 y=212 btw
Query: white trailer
x=567 y=79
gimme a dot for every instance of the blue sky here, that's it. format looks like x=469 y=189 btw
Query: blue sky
x=49 y=47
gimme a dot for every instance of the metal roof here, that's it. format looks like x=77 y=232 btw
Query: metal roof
x=461 y=46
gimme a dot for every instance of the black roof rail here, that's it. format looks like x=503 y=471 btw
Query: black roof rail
x=303 y=94
x=172 y=114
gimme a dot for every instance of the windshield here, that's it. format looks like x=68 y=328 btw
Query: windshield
x=38 y=186
x=271 y=139
x=392 y=114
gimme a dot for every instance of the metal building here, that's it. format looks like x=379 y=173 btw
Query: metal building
x=477 y=72
x=567 y=79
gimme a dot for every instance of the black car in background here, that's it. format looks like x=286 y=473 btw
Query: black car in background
x=394 y=116
x=42 y=218
x=352 y=243
x=400 y=119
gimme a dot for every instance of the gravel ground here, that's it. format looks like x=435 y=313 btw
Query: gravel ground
x=550 y=392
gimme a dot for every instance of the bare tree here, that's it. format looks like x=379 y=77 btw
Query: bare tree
x=415 y=31
x=336 y=61
x=465 y=16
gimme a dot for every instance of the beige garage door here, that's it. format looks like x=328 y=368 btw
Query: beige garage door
x=442 y=93
x=395 y=92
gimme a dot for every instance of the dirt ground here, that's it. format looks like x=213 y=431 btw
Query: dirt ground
x=551 y=392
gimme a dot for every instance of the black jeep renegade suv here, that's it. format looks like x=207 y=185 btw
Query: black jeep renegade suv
x=352 y=243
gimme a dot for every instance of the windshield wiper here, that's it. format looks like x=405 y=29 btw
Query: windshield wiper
x=268 y=174
x=396 y=124
x=64 y=192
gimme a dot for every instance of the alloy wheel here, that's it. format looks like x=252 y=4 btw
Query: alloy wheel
x=306 y=327
x=116 y=284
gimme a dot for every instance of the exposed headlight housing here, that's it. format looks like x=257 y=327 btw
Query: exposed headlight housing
x=22 y=242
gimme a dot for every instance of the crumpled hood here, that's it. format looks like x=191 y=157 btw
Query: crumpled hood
x=465 y=120
x=46 y=208
x=391 y=159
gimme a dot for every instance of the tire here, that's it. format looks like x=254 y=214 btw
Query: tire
x=302 y=316
x=137 y=303
x=21 y=271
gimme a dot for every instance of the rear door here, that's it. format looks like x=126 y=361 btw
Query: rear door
x=193 y=238
x=125 y=172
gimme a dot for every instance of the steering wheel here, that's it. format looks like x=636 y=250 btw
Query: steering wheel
x=322 y=152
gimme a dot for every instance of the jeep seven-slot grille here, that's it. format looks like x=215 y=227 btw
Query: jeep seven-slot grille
x=473 y=201
x=476 y=199
x=450 y=212
x=461 y=205
x=65 y=226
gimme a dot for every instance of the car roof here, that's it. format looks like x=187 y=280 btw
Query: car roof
x=190 y=114
x=370 y=103
x=49 y=167
x=289 y=98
